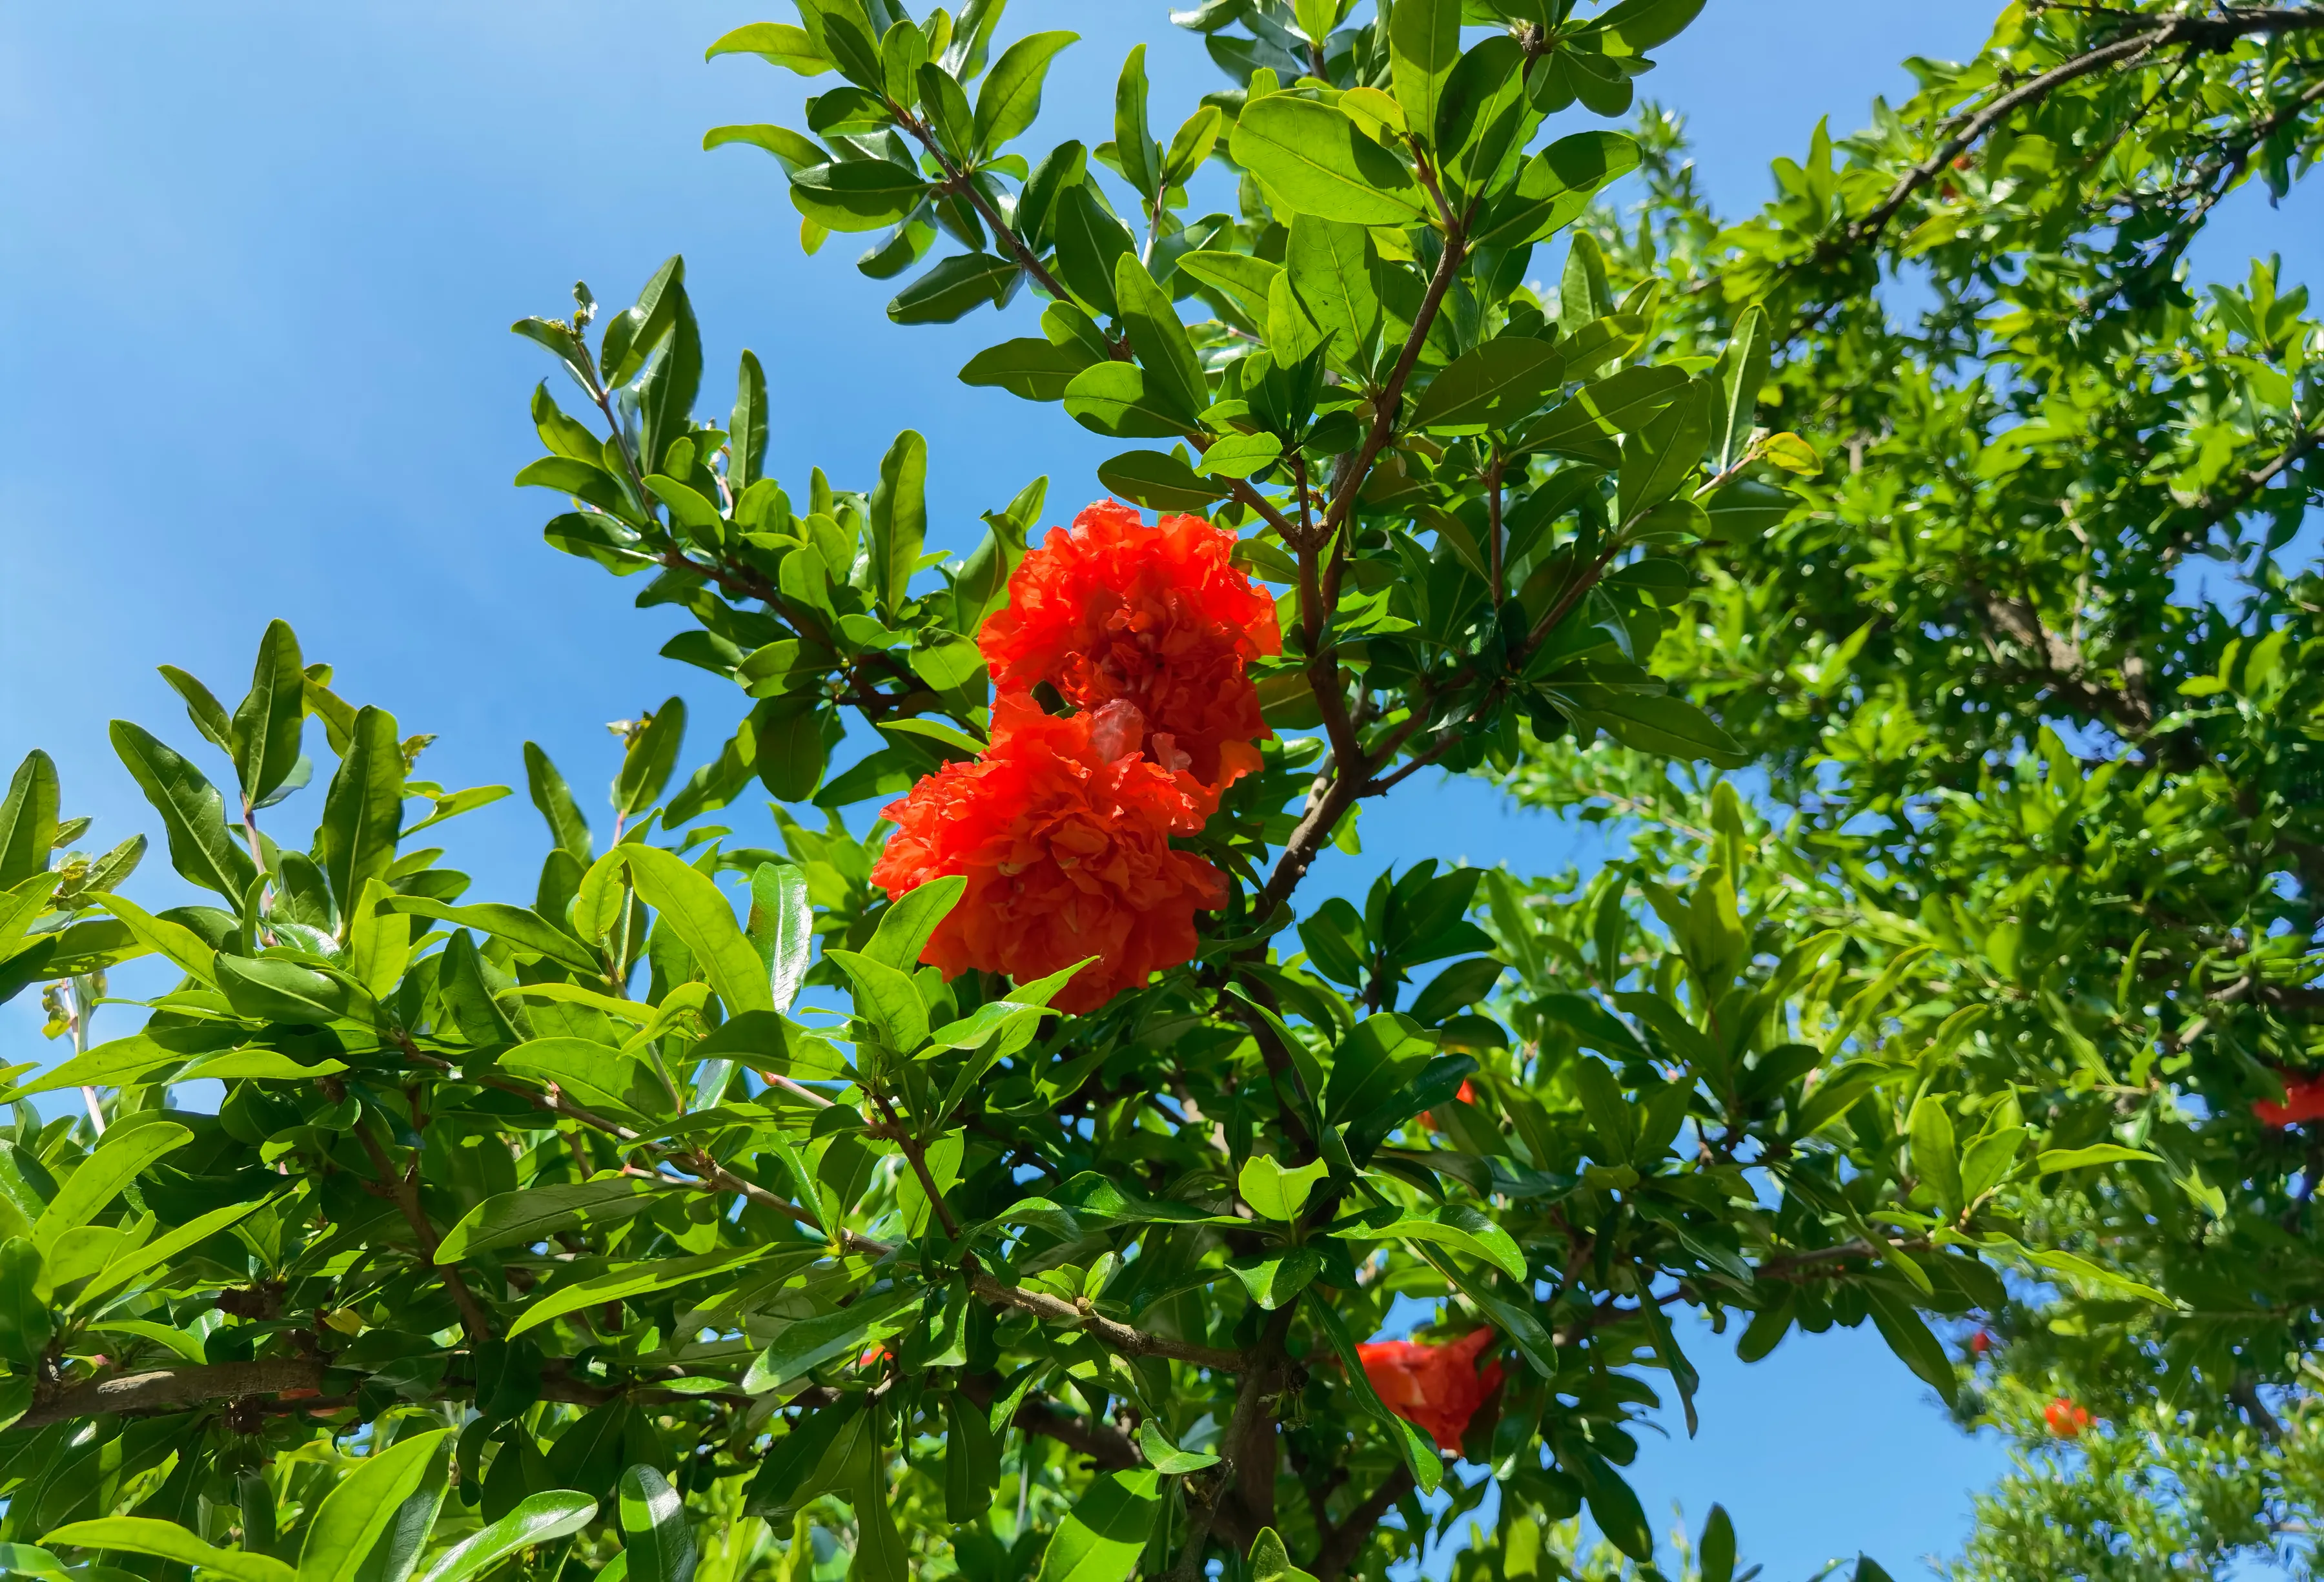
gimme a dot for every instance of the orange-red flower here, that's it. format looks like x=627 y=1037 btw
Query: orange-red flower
x=1062 y=830
x=2303 y=1100
x=1435 y=1387
x=1156 y=616
x=2066 y=1419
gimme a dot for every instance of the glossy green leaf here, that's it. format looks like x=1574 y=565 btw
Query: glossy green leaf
x=1160 y=481
x=193 y=814
x=372 y=1524
x=688 y=903
x=1011 y=94
x=538 y=1520
x=806 y=1344
x=1496 y=386
x=655 y=1537
x=267 y=723
x=1314 y=159
x=28 y=815
x=1101 y=1537
x=899 y=517
x=143 y=1535
x=1275 y=1192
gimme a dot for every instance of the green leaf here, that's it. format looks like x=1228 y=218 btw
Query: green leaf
x=119 y=1158
x=1313 y=158
x=1614 y=1506
x=880 y=1552
x=1011 y=94
x=1245 y=280
x=20 y=907
x=115 y=1064
x=1424 y=41
x=521 y=926
x=28 y=816
x=1462 y=1228
x=780 y=44
x=1910 y=1339
x=655 y=1537
x=1113 y=399
x=193 y=814
x=387 y=1504
x=1274 y=1192
x=1670 y=726
x=886 y=998
x=857 y=195
x=787 y=1471
x=642 y=1279
x=180 y=944
x=1714 y=1552
x=363 y=813
x=202 y=707
x=1555 y=188
x=648 y=758
x=1936 y=1156
x=1167 y=1458
x=1174 y=371
x=1635 y=26
x=1101 y=1537
x=906 y=927
x=144 y=1535
x=1133 y=139
x=269 y=989
x=26 y=1321
x=1238 y=456
x=900 y=518
x=956 y=286
x=1196 y=138
x=1373 y=1064
x=972 y=1460
x=1742 y=371
x=1032 y=369
x=1419 y=1453
x=1330 y=266
x=595 y=1075
x=1161 y=481
x=538 y=1518
x=536 y=1212
x=806 y=1344
x=2052 y=1160
x=1609 y=1111
x=268 y=722
x=781 y=928
x=1271 y=1562
x=567 y=826
x=1089 y=240
x=692 y=906
x=1495 y=387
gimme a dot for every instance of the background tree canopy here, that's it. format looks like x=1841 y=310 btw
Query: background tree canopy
x=658 y=1225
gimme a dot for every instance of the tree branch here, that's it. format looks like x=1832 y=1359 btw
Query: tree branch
x=1344 y=1540
x=1116 y=1336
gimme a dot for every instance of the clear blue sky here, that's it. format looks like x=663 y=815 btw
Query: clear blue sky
x=264 y=257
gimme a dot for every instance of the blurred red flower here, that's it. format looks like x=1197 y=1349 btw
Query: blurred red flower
x=2066 y=1419
x=1156 y=616
x=2303 y=1100
x=1063 y=833
x=1434 y=1387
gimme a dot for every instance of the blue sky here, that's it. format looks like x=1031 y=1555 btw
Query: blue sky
x=265 y=255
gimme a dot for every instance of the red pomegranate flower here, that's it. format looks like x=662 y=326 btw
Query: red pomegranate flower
x=1434 y=1387
x=1063 y=833
x=2066 y=1419
x=1156 y=616
x=2303 y=1100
